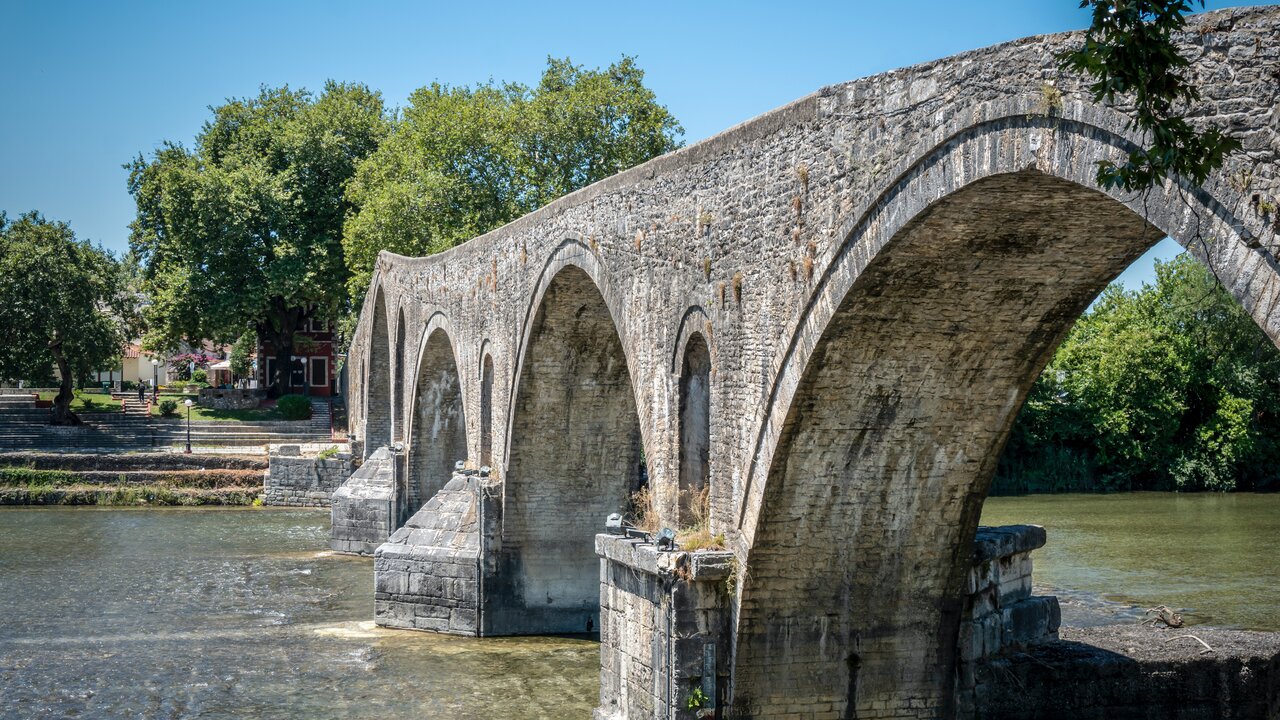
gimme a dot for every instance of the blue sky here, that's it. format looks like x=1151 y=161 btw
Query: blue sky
x=87 y=86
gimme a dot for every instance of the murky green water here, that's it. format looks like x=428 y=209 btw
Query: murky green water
x=112 y=613
x=1217 y=556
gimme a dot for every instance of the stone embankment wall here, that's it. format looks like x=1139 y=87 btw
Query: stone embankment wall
x=363 y=510
x=1000 y=614
x=427 y=576
x=124 y=462
x=298 y=481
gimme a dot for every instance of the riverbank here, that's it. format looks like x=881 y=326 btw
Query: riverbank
x=129 y=479
x=1135 y=671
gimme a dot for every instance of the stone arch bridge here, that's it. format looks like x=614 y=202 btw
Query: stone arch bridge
x=828 y=317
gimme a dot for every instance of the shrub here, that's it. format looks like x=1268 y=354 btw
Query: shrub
x=294 y=407
x=327 y=453
x=199 y=376
x=128 y=385
x=168 y=407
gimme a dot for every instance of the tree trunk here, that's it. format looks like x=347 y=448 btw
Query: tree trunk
x=61 y=413
x=280 y=333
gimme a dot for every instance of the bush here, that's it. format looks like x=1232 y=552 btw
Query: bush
x=327 y=453
x=199 y=376
x=128 y=385
x=168 y=408
x=294 y=407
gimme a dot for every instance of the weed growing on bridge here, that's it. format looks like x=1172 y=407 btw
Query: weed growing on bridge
x=1051 y=97
x=706 y=268
x=802 y=173
x=737 y=287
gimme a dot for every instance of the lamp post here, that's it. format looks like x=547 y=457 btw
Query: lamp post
x=188 y=403
x=155 y=380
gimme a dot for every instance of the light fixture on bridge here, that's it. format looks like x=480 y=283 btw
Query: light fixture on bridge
x=485 y=470
x=666 y=539
x=460 y=467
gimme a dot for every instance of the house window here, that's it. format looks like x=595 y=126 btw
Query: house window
x=320 y=371
x=271 y=372
x=317 y=325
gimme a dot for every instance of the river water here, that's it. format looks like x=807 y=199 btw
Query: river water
x=1214 y=556
x=199 y=613
x=204 y=613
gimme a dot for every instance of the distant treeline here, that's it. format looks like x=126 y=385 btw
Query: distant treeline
x=1171 y=387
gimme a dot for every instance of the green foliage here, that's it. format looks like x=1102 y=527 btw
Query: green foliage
x=294 y=407
x=245 y=230
x=64 y=304
x=696 y=699
x=464 y=160
x=327 y=453
x=245 y=346
x=1169 y=387
x=200 y=377
x=168 y=408
x=1128 y=52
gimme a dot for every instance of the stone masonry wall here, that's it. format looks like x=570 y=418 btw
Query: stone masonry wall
x=665 y=631
x=1000 y=614
x=363 y=512
x=304 y=481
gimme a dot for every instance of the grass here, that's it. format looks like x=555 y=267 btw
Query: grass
x=269 y=412
x=88 y=402
x=26 y=486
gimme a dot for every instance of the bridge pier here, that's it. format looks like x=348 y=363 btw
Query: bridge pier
x=430 y=574
x=364 y=510
x=665 y=630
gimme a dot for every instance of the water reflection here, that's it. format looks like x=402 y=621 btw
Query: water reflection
x=240 y=613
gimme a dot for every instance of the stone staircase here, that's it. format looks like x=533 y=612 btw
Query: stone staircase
x=23 y=426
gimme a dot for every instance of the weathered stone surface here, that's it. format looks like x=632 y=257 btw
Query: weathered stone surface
x=303 y=481
x=879 y=272
x=363 y=511
x=427 y=576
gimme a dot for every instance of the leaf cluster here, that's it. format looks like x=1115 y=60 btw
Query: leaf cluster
x=1128 y=52
x=461 y=161
x=1169 y=387
x=246 y=226
x=59 y=295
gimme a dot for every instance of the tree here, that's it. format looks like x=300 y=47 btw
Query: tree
x=1169 y=387
x=245 y=230
x=64 y=305
x=462 y=161
x=1128 y=51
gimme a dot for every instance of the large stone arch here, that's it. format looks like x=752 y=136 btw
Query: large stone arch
x=377 y=383
x=573 y=457
x=437 y=429
x=898 y=389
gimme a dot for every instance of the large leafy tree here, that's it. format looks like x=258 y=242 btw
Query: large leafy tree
x=464 y=160
x=65 y=305
x=244 y=231
x=1169 y=387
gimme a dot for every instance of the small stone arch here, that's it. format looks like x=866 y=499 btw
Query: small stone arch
x=437 y=431
x=486 y=404
x=398 y=371
x=377 y=381
x=574 y=455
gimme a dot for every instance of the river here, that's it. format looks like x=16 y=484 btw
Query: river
x=215 y=613
x=1215 y=556
x=199 y=613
